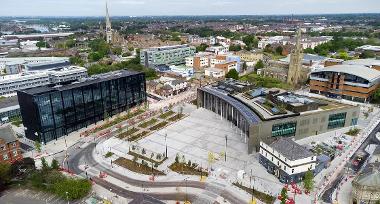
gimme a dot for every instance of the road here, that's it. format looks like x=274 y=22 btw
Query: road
x=79 y=156
x=371 y=139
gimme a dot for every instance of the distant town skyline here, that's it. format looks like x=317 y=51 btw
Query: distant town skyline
x=184 y=7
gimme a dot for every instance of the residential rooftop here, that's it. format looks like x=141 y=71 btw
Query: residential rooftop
x=290 y=149
x=82 y=82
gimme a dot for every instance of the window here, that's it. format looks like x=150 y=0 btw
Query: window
x=5 y=156
x=285 y=168
x=312 y=158
x=284 y=129
x=354 y=121
x=15 y=153
x=272 y=158
x=14 y=144
x=337 y=120
x=292 y=170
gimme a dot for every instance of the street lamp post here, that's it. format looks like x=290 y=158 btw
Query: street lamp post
x=166 y=146
x=67 y=197
x=225 y=151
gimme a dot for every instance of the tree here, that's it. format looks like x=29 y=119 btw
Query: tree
x=55 y=164
x=234 y=48
x=94 y=56
x=259 y=65
x=40 y=44
x=244 y=66
x=232 y=74
x=284 y=196
x=309 y=51
x=76 y=60
x=250 y=41
x=37 y=146
x=308 y=181
x=177 y=158
x=45 y=165
x=376 y=96
x=5 y=173
x=367 y=54
x=202 y=47
x=117 y=50
x=70 y=43
x=279 y=50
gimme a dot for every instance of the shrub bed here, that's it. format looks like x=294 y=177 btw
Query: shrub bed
x=138 y=136
x=136 y=167
x=176 y=117
x=127 y=133
x=143 y=157
x=167 y=114
x=158 y=126
x=148 y=123
x=257 y=194
x=183 y=168
x=109 y=154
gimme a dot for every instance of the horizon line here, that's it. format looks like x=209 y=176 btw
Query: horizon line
x=195 y=15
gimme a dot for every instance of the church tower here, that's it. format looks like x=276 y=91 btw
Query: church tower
x=108 y=26
x=295 y=65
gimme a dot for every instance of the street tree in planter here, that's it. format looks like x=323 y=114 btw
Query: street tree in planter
x=308 y=181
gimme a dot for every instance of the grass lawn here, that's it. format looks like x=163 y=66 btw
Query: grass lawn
x=136 y=167
x=257 y=194
x=159 y=126
x=266 y=82
x=148 y=123
x=183 y=168
x=167 y=114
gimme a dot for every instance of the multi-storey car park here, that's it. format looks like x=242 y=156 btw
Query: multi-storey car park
x=52 y=112
x=169 y=55
x=267 y=114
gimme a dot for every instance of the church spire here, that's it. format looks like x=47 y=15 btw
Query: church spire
x=108 y=26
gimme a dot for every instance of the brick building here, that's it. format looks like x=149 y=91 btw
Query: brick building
x=9 y=145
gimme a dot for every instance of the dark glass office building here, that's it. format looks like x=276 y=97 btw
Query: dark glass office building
x=52 y=112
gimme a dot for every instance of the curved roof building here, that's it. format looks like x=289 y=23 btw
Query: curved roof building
x=347 y=81
x=366 y=187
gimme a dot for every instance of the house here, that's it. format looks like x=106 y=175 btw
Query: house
x=9 y=145
x=286 y=159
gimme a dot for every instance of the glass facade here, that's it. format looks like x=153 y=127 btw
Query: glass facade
x=337 y=120
x=284 y=129
x=65 y=110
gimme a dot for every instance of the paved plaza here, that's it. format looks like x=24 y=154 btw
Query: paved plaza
x=195 y=136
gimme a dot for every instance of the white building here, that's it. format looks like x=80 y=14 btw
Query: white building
x=9 y=84
x=286 y=159
x=310 y=42
x=215 y=73
x=217 y=49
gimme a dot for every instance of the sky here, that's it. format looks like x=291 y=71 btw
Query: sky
x=183 y=7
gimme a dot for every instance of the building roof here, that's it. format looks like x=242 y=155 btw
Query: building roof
x=364 y=62
x=356 y=70
x=369 y=179
x=87 y=81
x=247 y=113
x=8 y=102
x=290 y=149
x=7 y=134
